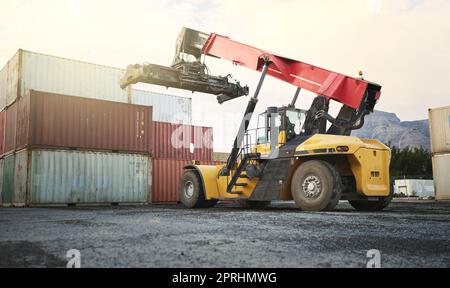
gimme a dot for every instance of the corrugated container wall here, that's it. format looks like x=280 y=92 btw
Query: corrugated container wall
x=53 y=120
x=61 y=177
x=8 y=180
x=29 y=70
x=441 y=168
x=177 y=141
x=166 y=178
x=3 y=85
x=1 y=181
x=166 y=108
x=20 y=178
x=2 y=131
x=9 y=81
x=439 y=120
x=10 y=128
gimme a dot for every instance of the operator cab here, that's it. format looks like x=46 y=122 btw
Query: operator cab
x=277 y=126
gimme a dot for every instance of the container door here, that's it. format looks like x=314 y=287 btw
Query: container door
x=8 y=180
x=20 y=178
x=1 y=182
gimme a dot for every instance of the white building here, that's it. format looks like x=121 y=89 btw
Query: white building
x=414 y=187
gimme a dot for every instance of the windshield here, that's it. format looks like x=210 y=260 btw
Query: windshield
x=296 y=117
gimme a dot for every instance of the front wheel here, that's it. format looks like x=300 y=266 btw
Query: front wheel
x=192 y=194
x=316 y=186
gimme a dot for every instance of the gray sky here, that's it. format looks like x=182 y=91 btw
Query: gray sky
x=402 y=44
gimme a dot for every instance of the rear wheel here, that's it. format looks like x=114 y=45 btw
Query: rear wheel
x=316 y=186
x=245 y=203
x=192 y=194
x=378 y=205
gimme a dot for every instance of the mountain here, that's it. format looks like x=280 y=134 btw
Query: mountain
x=388 y=128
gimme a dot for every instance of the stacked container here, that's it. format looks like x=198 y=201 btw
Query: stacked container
x=62 y=143
x=61 y=149
x=439 y=119
x=34 y=71
x=175 y=146
x=64 y=149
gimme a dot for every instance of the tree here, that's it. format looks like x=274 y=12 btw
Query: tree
x=410 y=163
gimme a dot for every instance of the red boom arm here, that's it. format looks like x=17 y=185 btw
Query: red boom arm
x=344 y=89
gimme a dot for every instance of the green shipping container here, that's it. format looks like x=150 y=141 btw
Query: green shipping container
x=8 y=180
x=1 y=182
x=20 y=178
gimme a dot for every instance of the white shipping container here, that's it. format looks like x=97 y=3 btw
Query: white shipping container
x=414 y=187
x=83 y=177
x=439 y=121
x=29 y=70
x=9 y=81
x=166 y=108
x=441 y=175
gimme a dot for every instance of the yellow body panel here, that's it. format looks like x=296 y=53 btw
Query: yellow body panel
x=216 y=186
x=368 y=159
x=282 y=138
x=263 y=149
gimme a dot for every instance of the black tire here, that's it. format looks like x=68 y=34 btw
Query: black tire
x=338 y=193
x=372 y=206
x=192 y=194
x=245 y=203
x=316 y=186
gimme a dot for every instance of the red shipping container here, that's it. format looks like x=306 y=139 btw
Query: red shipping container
x=176 y=141
x=59 y=121
x=166 y=174
x=10 y=128
x=2 y=132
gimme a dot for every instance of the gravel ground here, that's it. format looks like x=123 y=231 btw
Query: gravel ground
x=407 y=234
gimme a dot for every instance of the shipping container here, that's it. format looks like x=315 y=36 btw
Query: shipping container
x=10 y=128
x=1 y=182
x=3 y=85
x=8 y=180
x=439 y=121
x=166 y=108
x=2 y=132
x=59 y=121
x=441 y=168
x=20 y=178
x=414 y=188
x=35 y=71
x=176 y=141
x=82 y=177
x=166 y=178
x=9 y=81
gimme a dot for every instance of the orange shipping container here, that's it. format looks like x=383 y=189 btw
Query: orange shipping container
x=2 y=132
x=10 y=128
x=46 y=120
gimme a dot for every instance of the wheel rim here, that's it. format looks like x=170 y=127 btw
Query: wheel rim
x=188 y=189
x=312 y=187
